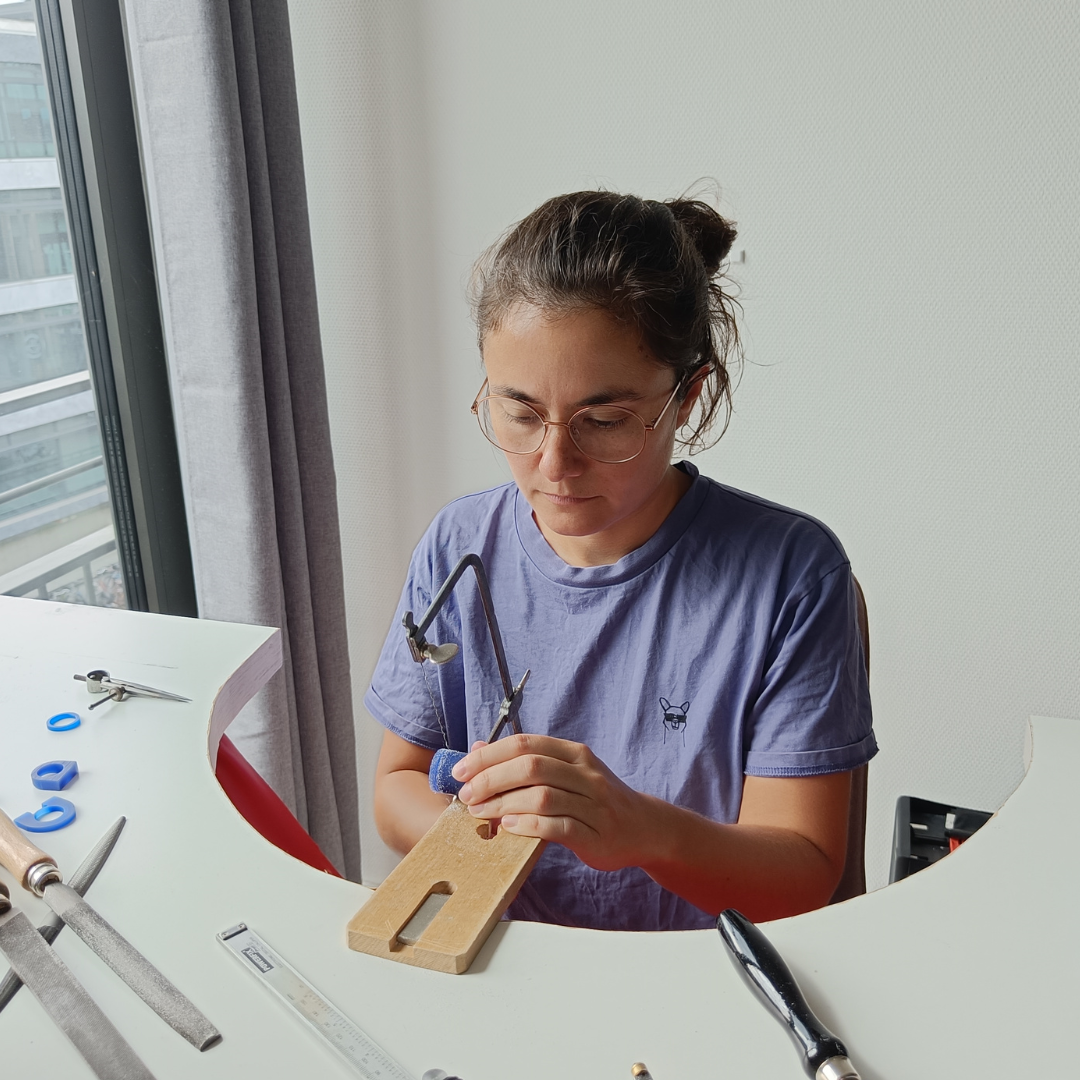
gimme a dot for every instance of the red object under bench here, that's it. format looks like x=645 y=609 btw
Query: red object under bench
x=265 y=812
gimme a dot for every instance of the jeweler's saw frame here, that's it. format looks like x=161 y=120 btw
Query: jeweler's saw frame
x=439 y=904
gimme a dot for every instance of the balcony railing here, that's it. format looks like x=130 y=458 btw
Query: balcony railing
x=52 y=478
x=34 y=577
x=68 y=569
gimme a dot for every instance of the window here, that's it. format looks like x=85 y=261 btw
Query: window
x=57 y=536
x=91 y=502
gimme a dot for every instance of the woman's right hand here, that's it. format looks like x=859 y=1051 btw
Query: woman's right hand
x=536 y=785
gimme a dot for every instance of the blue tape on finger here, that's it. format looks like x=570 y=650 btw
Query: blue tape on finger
x=439 y=775
x=43 y=820
x=63 y=721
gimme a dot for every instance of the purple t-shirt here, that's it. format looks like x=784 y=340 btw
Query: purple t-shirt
x=725 y=645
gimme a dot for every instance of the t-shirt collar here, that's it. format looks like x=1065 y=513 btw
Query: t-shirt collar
x=639 y=560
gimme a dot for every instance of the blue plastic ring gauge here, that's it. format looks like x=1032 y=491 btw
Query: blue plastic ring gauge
x=63 y=721
x=55 y=775
x=43 y=820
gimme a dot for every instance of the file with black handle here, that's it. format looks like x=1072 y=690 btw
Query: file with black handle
x=763 y=969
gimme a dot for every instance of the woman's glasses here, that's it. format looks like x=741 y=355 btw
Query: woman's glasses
x=605 y=433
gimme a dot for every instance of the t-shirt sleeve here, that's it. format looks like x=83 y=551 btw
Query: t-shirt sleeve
x=812 y=715
x=415 y=701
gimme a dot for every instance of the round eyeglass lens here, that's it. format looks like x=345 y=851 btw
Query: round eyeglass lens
x=608 y=433
x=511 y=425
x=604 y=432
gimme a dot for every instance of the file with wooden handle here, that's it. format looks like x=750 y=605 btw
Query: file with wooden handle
x=80 y=881
x=38 y=873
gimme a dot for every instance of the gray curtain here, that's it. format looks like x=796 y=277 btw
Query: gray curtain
x=219 y=130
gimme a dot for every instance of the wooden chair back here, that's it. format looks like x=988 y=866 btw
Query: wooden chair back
x=853 y=881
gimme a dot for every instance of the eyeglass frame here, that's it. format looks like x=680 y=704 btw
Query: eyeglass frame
x=478 y=401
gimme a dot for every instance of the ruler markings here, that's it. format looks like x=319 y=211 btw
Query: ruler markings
x=350 y=1041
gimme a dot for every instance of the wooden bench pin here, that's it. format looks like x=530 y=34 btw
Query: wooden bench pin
x=439 y=904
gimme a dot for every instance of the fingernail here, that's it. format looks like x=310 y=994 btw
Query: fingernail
x=458 y=771
x=465 y=794
x=510 y=820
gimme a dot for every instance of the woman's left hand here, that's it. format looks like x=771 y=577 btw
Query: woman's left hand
x=560 y=791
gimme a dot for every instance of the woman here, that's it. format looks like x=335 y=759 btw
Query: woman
x=698 y=694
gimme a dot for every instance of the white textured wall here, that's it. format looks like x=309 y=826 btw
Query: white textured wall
x=362 y=110
x=906 y=177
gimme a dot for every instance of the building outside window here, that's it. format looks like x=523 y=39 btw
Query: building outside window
x=57 y=539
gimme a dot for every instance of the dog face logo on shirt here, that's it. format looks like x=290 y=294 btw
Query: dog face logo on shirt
x=674 y=718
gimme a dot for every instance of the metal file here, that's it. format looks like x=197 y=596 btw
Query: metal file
x=64 y=998
x=37 y=872
x=81 y=880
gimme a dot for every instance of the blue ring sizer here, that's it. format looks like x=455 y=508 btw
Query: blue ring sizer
x=63 y=721
x=55 y=775
x=34 y=823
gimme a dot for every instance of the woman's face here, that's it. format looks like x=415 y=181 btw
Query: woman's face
x=591 y=511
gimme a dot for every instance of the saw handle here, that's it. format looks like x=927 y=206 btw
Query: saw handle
x=17 y=854
x=763 y=969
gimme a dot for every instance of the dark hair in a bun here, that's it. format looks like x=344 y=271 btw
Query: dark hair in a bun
x=652 y=265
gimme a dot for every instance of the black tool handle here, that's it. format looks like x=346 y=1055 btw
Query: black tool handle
x=768 y=976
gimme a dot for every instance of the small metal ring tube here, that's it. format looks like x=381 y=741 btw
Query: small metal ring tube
x=837 y=1068
x=94 y=679
x=41 y=874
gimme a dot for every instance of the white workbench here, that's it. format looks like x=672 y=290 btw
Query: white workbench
x=965 y=970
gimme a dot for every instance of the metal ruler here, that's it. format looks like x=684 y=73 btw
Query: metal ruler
x=365 y=1056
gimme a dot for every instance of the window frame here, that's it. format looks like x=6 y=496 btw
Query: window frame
x=86 y=70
